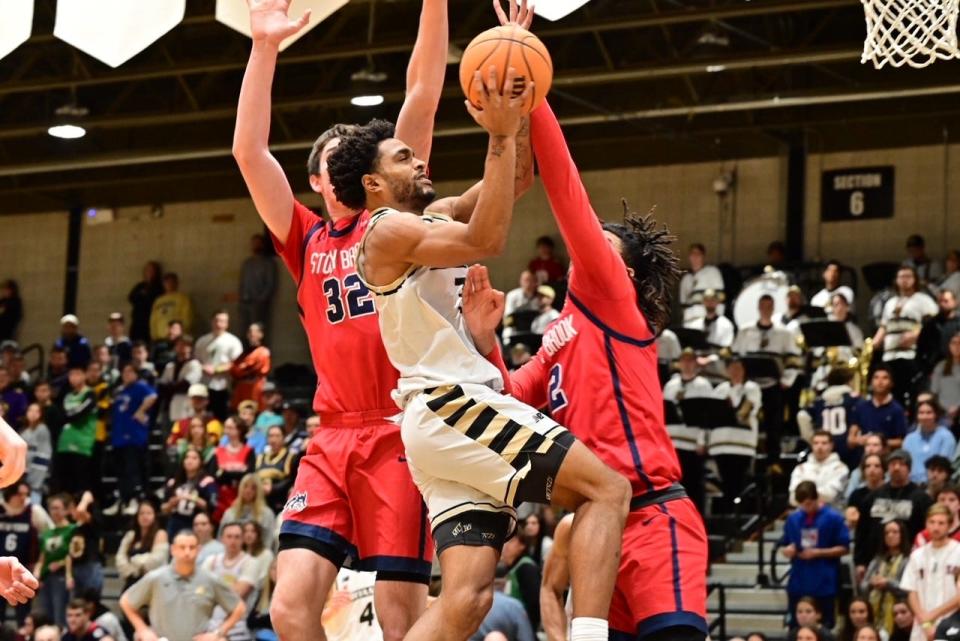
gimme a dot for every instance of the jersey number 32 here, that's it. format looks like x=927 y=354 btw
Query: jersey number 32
x=349 y=297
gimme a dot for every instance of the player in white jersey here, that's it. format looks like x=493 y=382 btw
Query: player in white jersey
x=474 y=453
x=349 y=613
x=930 y=578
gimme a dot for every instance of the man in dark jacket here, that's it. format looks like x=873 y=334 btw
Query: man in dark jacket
x=897 y=499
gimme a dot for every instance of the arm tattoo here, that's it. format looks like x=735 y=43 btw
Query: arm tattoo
x=497 y=146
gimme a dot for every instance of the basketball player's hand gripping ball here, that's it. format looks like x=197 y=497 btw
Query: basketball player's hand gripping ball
x=506 y=46
x=269 y=20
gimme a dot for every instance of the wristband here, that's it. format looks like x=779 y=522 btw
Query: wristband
x=926 y=625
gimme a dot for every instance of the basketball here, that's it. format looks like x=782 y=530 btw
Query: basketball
x=504 y=47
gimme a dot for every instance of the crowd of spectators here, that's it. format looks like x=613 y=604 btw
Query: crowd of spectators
x=185 y=449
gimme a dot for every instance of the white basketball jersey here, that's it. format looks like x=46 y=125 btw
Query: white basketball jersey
x=422 y=325
x=349 y=614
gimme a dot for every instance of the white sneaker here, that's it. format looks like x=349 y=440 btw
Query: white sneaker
x=131 y=508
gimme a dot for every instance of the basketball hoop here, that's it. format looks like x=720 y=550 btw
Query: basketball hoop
x=910 y=32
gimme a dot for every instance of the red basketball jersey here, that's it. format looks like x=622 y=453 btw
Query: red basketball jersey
x=338 y=313
x=597 y=368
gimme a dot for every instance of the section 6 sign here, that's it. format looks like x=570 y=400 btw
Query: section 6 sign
x=852 y=194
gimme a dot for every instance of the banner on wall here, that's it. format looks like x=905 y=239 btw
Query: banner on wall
x=857 y=193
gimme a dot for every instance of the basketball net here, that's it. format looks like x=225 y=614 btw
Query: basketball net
x=910 y=32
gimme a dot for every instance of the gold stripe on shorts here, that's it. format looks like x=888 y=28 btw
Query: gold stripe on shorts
x=486 y=426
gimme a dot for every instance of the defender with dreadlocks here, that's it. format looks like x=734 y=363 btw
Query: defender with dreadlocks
x=474 y=453
x=597 y=372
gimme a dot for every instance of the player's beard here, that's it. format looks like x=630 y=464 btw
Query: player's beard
x=413 y=195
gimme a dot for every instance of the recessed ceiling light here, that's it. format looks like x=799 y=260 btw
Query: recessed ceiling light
x=367 y=101
x=68 y=132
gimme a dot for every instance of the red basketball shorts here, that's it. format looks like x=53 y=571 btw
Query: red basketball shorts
x=355 y=503
x=662 y=580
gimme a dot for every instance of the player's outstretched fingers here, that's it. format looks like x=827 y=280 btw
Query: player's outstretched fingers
x=501 y=16
x=508 y=83
x=525 y=17
x=302 y=22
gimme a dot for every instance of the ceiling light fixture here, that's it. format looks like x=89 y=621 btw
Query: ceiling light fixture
x=367 y=101
x=715 y=68
x=67 y=132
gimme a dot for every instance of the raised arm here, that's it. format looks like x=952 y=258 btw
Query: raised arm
x=597 y=267
x=404 y=239
x=264 y=176
x=425 y=72
x=460 y=208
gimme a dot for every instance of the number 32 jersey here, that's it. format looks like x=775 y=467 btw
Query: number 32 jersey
x=338 y=313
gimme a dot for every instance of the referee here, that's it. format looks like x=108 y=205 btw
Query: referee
x=181 y=598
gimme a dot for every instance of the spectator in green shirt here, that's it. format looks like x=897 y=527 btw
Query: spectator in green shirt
x=54 y=567
x=74 y=468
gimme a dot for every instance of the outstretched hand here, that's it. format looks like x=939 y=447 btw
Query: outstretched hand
x=17 y=584
x=522 y=15
x=482 y=304
x=501 y=110
x=269 y=21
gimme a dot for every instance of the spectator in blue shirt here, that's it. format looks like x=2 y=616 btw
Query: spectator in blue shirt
x=73 y=343
x=814 y=539
x=881 y=413
x=928 y=439
x=129 y=434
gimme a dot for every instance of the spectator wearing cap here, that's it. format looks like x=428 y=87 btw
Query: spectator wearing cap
x=831 y=287
x=216 y=352
x=824 y=468
x=199 y=402
x=249 y=370
x=815 y=537
x=177 y=378
x=117 y=342
x=696 y=281
x=11 y=310
x=545 y=266
x=899 y=498
x=927 y=439
x=547 y=312
x=272 y=413
x=72 y=342
x=172 y=305
x=928 y=271
x=294 y=435
x=939 y=471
